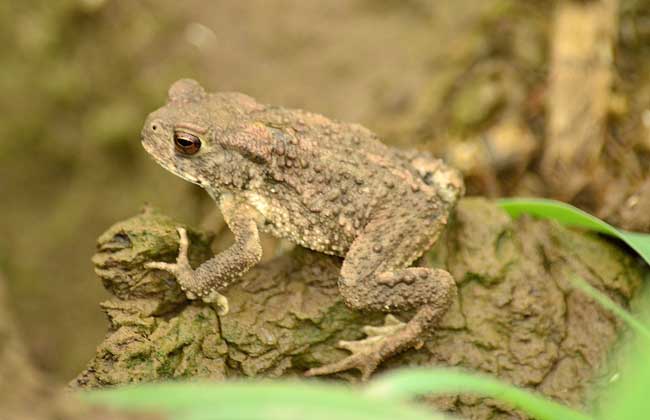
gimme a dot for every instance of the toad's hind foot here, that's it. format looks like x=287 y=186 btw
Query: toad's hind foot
x=368 y=353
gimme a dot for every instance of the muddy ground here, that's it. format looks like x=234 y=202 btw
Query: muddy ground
x=482 y=84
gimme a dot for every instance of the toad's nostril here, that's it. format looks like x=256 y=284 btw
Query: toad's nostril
x=154 y=127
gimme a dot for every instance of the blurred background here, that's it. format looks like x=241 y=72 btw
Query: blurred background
x=544 y=98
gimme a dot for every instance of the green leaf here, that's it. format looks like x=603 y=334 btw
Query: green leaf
x=260 y=400
x=626 y=396
x=603 y=300
x=408 y=383
x=572 y=216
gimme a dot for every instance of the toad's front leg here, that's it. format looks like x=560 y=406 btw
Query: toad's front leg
x=217 y=273
x=375 y=275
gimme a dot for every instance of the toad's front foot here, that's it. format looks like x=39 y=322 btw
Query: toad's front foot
x=369 y=352
x=186 y=277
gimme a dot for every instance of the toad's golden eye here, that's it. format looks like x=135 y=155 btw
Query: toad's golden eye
x=186 y=143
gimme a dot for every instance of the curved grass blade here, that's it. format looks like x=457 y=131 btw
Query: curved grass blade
x=626 y=396
x=603 y=300
x=411 y=382
x=257 y=401
x=569 y=215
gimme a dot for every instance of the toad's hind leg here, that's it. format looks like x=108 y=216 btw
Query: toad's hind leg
x=375 y=275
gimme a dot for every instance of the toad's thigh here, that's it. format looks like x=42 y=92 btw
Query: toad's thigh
x=376 y=264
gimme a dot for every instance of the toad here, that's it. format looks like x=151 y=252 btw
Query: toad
x=329 y=186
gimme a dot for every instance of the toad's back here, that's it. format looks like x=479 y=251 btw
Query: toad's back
x=326 y=180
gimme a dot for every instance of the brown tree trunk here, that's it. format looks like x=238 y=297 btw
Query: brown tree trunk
x=580 y=78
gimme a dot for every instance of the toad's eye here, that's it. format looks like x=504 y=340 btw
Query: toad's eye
x=186 y=143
